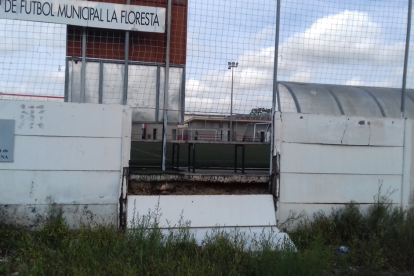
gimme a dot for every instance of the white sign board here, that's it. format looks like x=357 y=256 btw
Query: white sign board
x=6 y=140
x=87 y=14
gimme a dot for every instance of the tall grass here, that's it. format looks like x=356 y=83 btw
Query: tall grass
x=381 y=239
x=146 y=250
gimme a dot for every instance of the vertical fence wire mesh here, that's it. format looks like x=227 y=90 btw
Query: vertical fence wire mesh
x=32 y=60
x=230 y=31
x=352 y=43
x=329 y=52
x=410 y=73
x=409 y=93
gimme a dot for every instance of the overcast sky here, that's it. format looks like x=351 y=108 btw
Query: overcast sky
x=341 y=42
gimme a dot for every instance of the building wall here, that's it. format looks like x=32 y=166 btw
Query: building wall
x=143 y=46
x=206 y=130
x=137 y=132
x=67 y=155
x=327 y=161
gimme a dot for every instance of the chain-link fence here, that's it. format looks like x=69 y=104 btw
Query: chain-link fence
x=353 y=45
x=222 y=63
x=32 y=60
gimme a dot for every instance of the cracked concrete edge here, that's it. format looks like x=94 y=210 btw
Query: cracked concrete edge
x=224 y=179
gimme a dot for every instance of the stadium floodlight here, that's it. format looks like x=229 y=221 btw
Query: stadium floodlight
x=231 y=66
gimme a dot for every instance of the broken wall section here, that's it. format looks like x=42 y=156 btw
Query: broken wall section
x=327 y=161
x=197 y=184
x=66 y=155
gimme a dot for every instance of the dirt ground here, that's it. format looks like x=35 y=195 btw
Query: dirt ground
x=139 y=188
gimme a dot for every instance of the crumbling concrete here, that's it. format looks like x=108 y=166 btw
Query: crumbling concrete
x=197 y=184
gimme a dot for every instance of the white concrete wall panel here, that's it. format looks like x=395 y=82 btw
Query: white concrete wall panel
x=65 y=153
x=342 y=130
x=277 y=145
x=408 y=180
x=207 y=211
x=63 y=119
x=317 y=158
x=126 y=136
x=337 y=188
x=409 y=153
x=327 y=161
x=254 y=214
x=33 y=215
x=61 y=187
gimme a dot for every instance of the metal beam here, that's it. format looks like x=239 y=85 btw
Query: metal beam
x=182 y=97
x=83 y=68
x=166 y=82
x=338 y=103
x=407 y=50
x=66 y=80
x=376 y=101
x=275 y=97
x=125 y=90
x=157 y=94
x=100 y=88
x=293 y=96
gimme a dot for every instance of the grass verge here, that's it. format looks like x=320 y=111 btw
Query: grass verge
x=380 y=240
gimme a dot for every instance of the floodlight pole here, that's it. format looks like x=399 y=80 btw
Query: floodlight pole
x=231 y=66
x=231 y=107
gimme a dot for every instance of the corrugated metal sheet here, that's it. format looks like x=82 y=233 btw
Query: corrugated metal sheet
x=327 y=99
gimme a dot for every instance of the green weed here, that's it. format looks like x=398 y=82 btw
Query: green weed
x=380 y=239
x=145 y=249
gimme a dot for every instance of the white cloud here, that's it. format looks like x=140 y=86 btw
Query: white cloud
x=356 y=81
x=301 y=77
x=266 y=34
x=18 y=36
x=345 y=48
x=349 y=41
x=194 y=88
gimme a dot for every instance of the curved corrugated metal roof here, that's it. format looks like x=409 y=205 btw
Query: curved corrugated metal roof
x=347 y=100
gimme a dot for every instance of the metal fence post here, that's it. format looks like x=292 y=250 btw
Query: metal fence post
x=83 y=68
x=66 y=80
x=407 y=50
x=166 y=82
x=125 y=90
x=182 y=97
x=100 y=87
x=275 y=98
x=157 y=95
